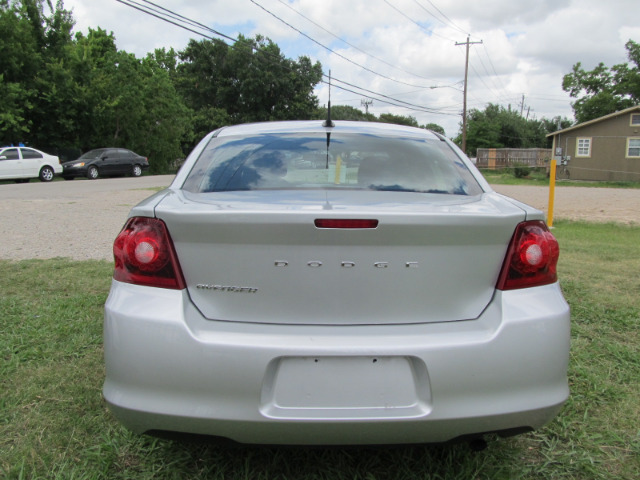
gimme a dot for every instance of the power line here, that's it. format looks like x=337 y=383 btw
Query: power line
x=171 y=17
x=451 y=23
x=350 y=44
x=497 y=94
x=430 y=32
x=389 y=100
x=492 y=66
x=178 y=20
x=333 y=51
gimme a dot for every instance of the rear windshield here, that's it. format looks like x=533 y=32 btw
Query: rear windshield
x=316 y=161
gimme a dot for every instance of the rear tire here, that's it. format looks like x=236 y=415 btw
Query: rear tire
x=136 y=171
x=46 y=174
x=92 y=173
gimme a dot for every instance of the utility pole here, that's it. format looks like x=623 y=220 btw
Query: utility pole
x=464 y=101
x=365 y=104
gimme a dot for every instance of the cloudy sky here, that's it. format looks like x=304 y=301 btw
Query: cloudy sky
x=401 y=56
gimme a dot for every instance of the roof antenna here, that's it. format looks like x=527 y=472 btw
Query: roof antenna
x=328 y=122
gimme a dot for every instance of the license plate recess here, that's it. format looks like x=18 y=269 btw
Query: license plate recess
x=346 y=387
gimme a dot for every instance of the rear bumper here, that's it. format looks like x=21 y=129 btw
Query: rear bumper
x=170 y=369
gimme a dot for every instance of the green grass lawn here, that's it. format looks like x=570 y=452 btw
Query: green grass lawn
x=54 y=423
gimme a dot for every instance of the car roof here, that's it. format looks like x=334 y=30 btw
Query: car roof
x=20 y=147
x=315 y=126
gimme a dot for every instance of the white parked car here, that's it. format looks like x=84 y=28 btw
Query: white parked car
x=387 y=297
x=24 y=163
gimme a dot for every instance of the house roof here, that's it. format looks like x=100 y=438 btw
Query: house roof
x=596 y=120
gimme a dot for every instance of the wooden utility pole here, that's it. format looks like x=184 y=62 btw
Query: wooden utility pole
x=464 y=101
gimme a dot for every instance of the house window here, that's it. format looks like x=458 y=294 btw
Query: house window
x=633 y=147
x=635 y=119
x=583 y=147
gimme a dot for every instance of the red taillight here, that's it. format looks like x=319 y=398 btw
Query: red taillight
x=531 y=258
x=144 y=255
x=345 y=223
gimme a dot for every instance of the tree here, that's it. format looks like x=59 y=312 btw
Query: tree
x=38 y=93
x=345 y=112
x=132 y=103
x=249 y=81
x=55 y=110
x=20 y=61
x=164 y=120
x=497 y=127
x=605 y=90
x=398 y=119
x=555 y=124
x=434 y=127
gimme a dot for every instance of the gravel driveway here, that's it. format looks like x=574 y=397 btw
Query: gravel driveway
x=80 y=219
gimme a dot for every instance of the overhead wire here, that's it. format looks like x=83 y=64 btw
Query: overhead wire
x=188 y=24
x=283 y=2
x=386 y=77
x=195 y=27
x=181 y=21
x=430 y=32
x=389 y=99
x=173 y=17
x=499 y=95
x=498 y=91
x=451 y=23
x=493 y=68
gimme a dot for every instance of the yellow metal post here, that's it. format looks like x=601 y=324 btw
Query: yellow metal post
x=338 y=167
x=552 y=191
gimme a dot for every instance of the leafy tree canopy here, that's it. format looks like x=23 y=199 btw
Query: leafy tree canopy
x=398 y=119
x=249 y=81
x=347 y=112
x=499 y=127
x=434 y=127
x=605 y=90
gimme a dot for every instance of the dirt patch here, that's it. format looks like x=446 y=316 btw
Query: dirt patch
x=581 y=203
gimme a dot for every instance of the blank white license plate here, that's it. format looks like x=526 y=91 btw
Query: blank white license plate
x=346 y=387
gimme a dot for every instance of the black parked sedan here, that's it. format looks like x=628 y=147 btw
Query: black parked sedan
x=104 y=162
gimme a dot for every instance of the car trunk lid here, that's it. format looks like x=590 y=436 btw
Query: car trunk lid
x=261 y=257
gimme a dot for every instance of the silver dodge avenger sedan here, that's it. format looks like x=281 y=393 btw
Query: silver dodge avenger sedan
x=310 y=283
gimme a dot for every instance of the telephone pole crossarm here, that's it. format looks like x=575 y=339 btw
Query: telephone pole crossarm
x=365 y=103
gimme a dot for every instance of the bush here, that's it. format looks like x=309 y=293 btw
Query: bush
x=521 y=171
